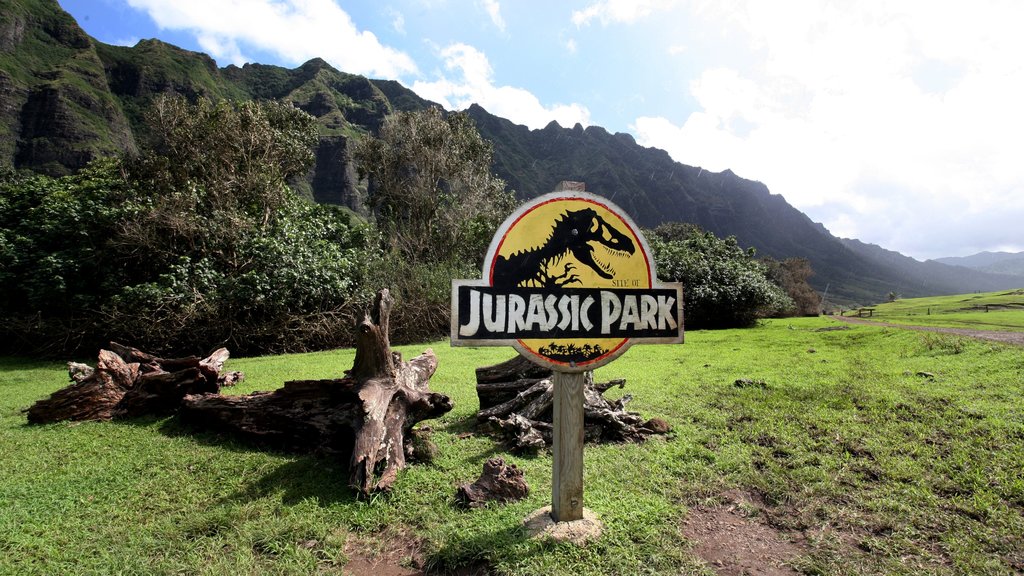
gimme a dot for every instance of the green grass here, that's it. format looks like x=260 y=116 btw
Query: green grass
x=883 y=470
x=986 y=311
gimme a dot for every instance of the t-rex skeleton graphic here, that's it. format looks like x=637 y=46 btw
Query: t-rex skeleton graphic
x=575 y=233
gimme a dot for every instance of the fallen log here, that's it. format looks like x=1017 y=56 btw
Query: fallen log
x=516 y=398
x=365 y=418
x=128 y=383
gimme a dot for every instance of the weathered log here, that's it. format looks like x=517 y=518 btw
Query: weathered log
x=499 y=482
x=164 y=383
x=128 y=382
x=516 y=398
x=517 y=401
x=522 y=435
x=501 y=382
x=365 y=418
x=93 y=397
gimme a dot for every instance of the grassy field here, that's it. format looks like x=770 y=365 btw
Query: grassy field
x=879 y=450
x=985 y=311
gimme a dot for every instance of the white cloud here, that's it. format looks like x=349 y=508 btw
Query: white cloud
x=397 y=20
x=494 y=11
x=474 y=83
x=293 y=30
x=129 y=41
x=619 y=11
x=897 y=124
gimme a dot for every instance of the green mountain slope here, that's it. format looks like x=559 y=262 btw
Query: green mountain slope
x=56 y=110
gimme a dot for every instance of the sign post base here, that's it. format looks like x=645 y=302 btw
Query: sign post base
x=540 y=524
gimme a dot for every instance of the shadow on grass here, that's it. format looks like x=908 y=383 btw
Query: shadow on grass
x=477 y=552
x=468 y=427
x=307 y=478
x=318 y=477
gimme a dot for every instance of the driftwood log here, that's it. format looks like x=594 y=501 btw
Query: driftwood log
x=499 y=482
x=516 y=398
x=128 y=383
x=365 y=418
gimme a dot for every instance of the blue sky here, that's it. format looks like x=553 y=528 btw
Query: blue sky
x=897 y=123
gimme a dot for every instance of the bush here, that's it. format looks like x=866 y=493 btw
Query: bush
x=723 y=285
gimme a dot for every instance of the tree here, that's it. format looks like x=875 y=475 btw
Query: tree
x=723 y=284
x=430 y=186
x=791 y=275
x=216 y=171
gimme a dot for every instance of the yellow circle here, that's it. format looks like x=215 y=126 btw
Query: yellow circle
x=571 y=242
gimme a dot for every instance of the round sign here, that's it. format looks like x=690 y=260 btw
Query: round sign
x=569 y=240
x=569 y=282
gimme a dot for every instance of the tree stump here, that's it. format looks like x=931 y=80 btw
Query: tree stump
x=499 y=482
x=516 y=398
x=128 y=383
x=365 y=418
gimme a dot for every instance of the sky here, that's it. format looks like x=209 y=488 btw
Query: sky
x=896 y=122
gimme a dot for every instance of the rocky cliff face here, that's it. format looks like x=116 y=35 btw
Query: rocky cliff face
x=333 y=179
x=54 y=100
x=66 y=99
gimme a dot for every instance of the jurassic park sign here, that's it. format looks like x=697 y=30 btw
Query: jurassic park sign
x=569 y=282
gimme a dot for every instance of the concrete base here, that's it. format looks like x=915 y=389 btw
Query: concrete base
x=539 y=524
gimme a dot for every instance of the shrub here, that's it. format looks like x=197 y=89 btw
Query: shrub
x=723 y=285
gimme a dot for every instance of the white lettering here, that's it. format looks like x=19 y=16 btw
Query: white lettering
x=648 y=312
x=619 y=312
x=494 y=312
x=564 y=304
x=516 y=309
x=470 y=327
x=665 y=315
x=585 y=314
x=552 y=314
x=535 y=311
x=610 y=310
x=630 y=313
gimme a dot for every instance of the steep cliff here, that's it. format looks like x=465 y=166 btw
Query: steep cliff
x=57 y=111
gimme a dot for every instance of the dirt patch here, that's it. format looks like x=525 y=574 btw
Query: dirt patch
x=395 y=555
x=733 y=540
x=383 y=555
x=1016 y=338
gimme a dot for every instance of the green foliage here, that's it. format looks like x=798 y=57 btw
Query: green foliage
x=436 y=206
x=293 y=286
x=53 y=238
x=222 y=161
x=197 y=243
x=723 y=285
x=431 y=188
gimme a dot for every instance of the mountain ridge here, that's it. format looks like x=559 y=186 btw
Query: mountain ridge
x=66 y=98
x=995 y=262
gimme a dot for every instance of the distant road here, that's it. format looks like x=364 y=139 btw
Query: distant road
x=1016 y=338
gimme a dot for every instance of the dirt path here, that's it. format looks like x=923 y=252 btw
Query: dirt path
x=1016 y=338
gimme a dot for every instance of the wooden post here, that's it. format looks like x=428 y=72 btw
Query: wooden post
x=567 y=471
